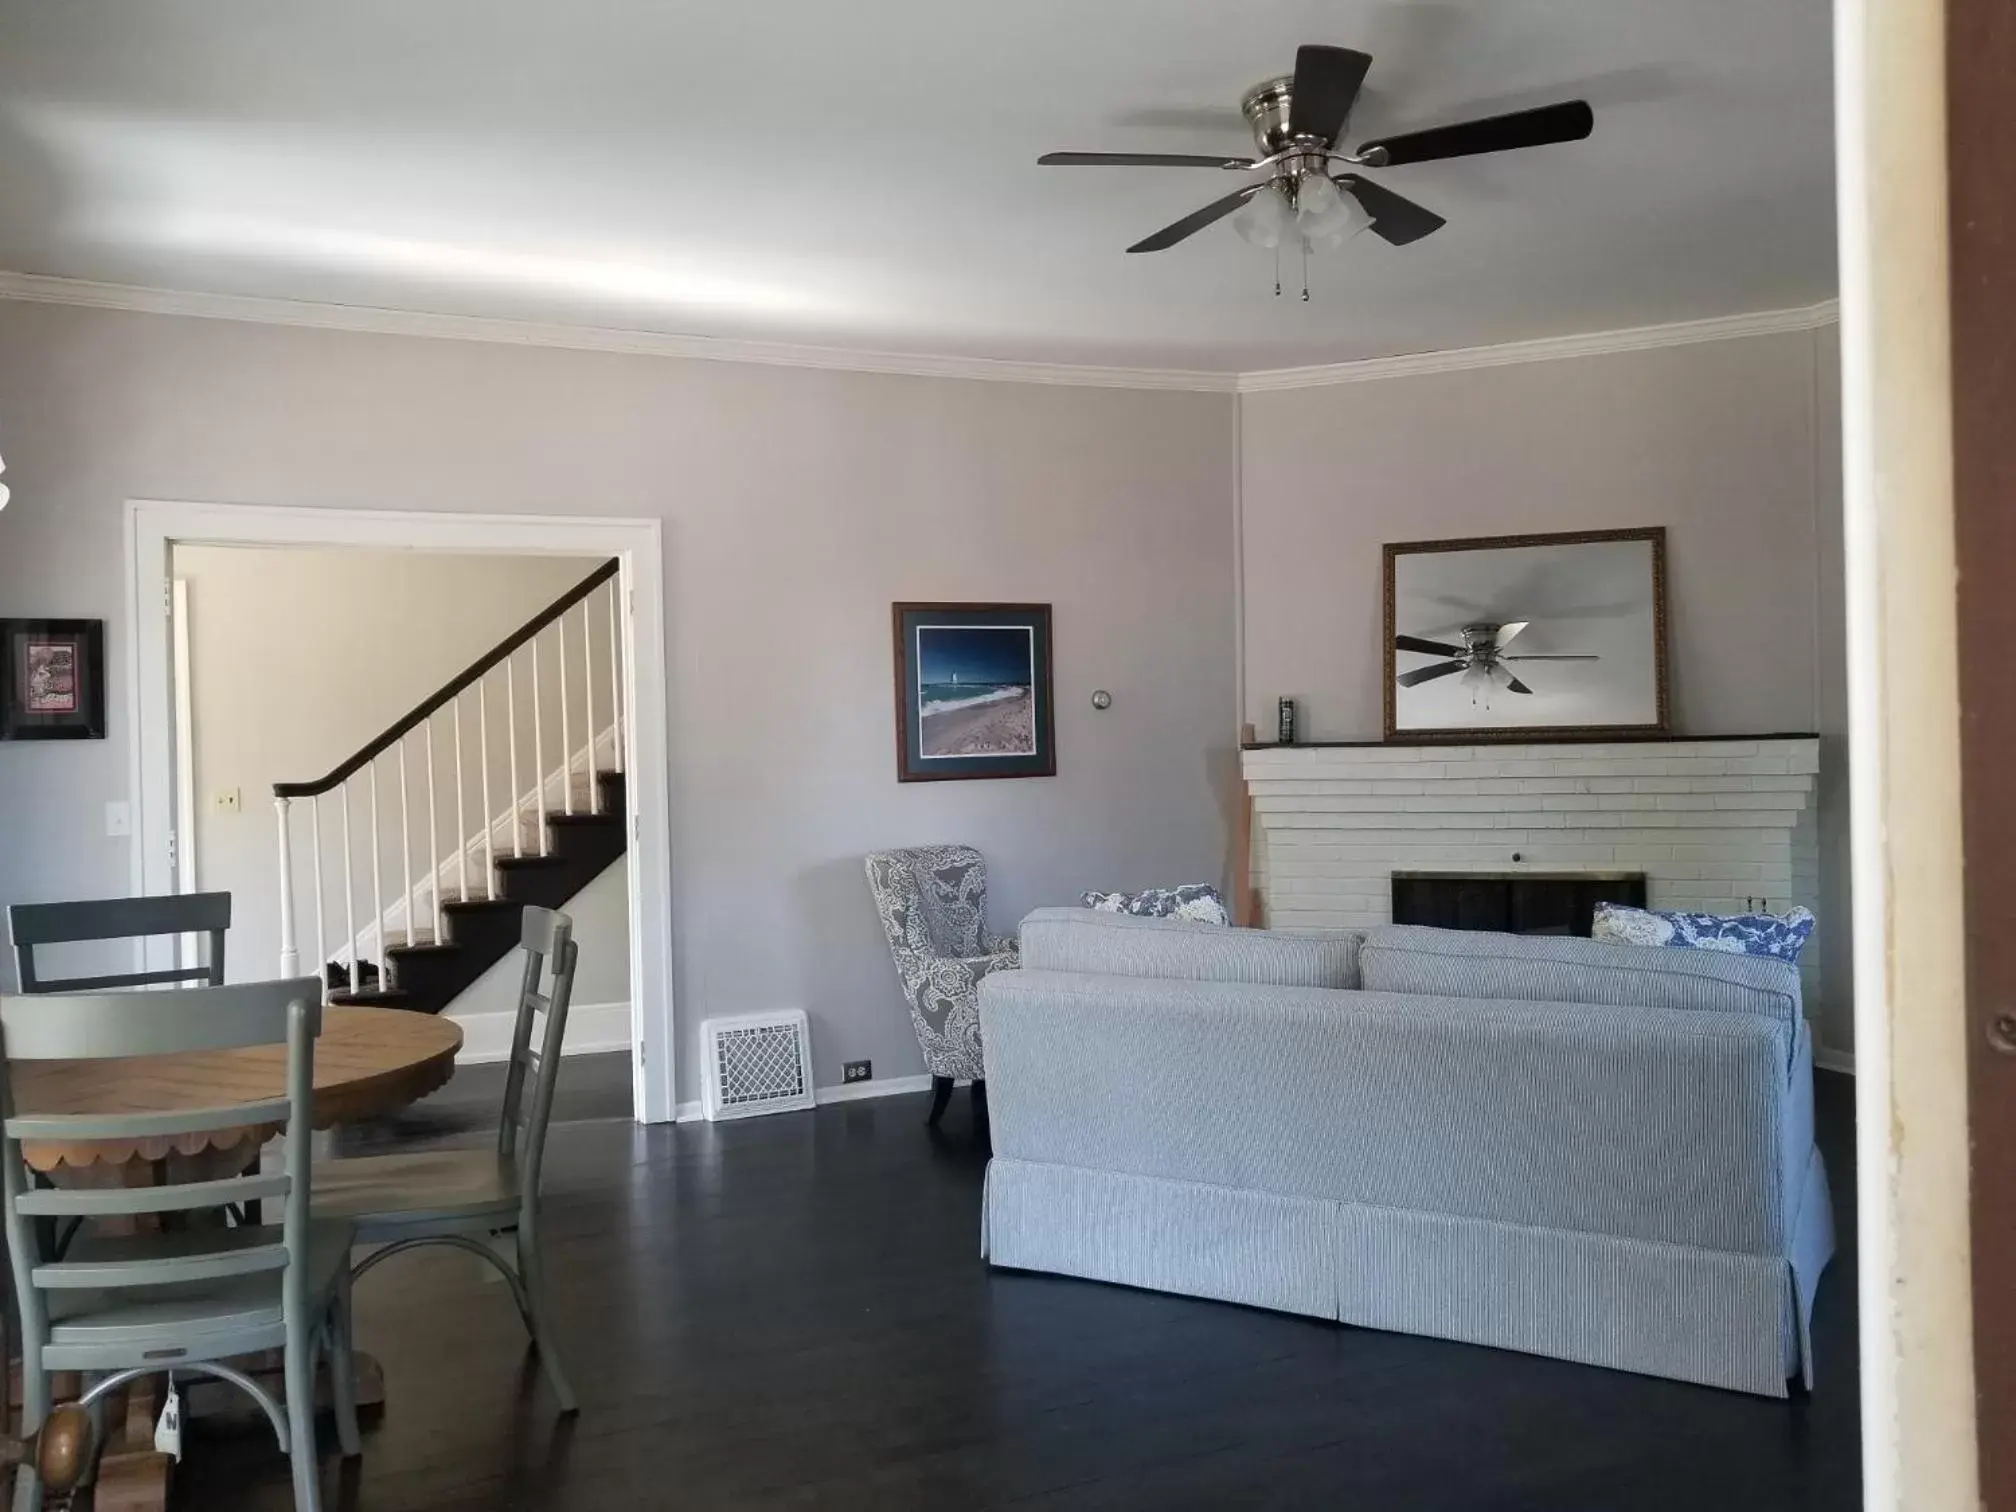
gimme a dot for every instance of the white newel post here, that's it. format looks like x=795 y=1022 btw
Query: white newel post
x=290 y=954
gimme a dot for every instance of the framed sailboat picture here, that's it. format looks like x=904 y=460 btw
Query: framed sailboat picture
x=973 y=691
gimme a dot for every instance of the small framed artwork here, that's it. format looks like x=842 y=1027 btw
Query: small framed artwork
x=973 y=691
x=1512 y=637
x=52 y=679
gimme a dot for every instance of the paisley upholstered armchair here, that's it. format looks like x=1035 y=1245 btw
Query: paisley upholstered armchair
x=933 y=902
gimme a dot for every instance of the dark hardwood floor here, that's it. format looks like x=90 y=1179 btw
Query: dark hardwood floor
x=791 y=1313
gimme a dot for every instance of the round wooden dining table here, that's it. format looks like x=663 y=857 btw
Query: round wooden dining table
x=368 y=1062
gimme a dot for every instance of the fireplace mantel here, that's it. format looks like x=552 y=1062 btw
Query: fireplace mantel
x=1719 y=824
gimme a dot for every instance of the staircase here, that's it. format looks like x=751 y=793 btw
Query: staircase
x=427 y=974
x=455 y=909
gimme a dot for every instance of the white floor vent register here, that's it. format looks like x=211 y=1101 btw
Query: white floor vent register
x=757 y=1063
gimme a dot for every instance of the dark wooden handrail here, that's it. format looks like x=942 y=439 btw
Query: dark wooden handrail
x=465 y=679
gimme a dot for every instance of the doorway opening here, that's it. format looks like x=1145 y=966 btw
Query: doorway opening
x=446 y=717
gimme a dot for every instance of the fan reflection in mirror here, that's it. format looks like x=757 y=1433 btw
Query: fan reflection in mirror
x=1515 y=636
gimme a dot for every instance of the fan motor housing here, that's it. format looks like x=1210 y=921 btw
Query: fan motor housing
x=1266 y=109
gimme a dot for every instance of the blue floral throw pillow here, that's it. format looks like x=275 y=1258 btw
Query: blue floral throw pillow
x=1781 y=936
x=1199 y=903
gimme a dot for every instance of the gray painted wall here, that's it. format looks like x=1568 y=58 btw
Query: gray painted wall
x=1733 y=446
x=797 y=505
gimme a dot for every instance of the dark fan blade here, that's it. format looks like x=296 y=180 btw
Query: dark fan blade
x=1429 y=674
x=1196 y=220
x=1433 y=648
x=1327 y=80
x=1582 y=657
x=1568 y=122
x=1138 y=160
x=1513 y=685
x=1394 y=217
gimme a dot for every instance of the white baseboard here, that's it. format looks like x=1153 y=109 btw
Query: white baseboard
x=885 y=1086
x=1834 y=1060
x=591 y=1027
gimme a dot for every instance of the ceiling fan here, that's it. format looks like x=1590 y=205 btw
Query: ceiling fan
x=1298 y=121
x=1481 y=658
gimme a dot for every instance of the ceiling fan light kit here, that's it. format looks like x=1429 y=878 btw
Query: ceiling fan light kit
x=1298 y=122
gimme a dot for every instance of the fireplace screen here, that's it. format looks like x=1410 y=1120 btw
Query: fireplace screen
x=1561 y=903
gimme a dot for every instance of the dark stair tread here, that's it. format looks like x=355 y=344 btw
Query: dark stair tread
x=529 y=863
x=479 y=905
x=443 y=948
x=569 y=819
x=391 y=997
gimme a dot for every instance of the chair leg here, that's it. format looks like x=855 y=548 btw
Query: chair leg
x=34 y=1411
x=532 y=1274
x=301 y=1419
x=343 y=1371
x=941 y=1094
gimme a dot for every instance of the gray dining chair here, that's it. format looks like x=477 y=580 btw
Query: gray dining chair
x=121 y=1306
x=473 y=1199
x=33 y=924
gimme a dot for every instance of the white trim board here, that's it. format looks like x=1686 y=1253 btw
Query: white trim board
x=637 y=544
x=591 y=1027
x=1545 y=349
x=41 y=289
x=882 y=1086
x=37 y=288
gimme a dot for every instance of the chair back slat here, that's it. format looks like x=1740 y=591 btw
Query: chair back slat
x=541 y=1026
x=33 y=924
x=110 y=1025
x=161 y=1270
x=121 y=1202
x=125 y=1024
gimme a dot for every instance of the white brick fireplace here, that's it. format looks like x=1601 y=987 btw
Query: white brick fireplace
x=1716 y=825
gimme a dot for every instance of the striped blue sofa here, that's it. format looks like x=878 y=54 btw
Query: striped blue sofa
x=1598 y=1152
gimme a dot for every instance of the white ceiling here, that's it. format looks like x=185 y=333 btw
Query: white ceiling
x=863 y=174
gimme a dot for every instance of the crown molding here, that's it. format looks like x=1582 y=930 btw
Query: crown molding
x=42 y=289
x=1545 y=349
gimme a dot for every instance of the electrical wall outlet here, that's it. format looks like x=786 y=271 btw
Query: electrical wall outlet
x=854 y=1071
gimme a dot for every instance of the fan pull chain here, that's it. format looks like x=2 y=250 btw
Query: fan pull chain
x=1303 y=241
x=1277 y=270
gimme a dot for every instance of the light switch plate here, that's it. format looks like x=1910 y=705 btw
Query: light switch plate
x=226 y=802
x=118 y=820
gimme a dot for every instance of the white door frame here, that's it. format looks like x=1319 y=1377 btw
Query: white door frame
x=153 y=525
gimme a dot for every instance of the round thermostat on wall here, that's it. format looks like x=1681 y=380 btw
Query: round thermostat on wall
x=1101 y=699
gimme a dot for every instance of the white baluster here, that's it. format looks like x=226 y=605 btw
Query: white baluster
x=511 y=740
x=350 y=895
x=538 y=750
x=615 y=679
x=566 y=729
x=377 y=881
x=290 y=956
x=588 y=706
x=433 y=836
x=321 y=911
x=483 y=755
x=461 y=825
x=405 y=843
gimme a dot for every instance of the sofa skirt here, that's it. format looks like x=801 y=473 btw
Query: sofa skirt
x=1717 y=1319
